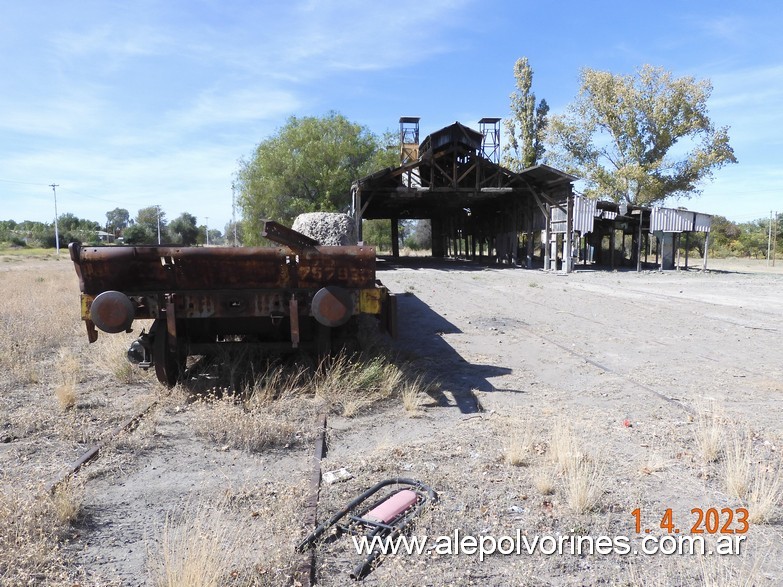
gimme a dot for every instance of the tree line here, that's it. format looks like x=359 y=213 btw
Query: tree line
x=149 y=226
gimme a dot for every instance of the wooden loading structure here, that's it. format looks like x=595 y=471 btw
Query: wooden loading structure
x=480 y=210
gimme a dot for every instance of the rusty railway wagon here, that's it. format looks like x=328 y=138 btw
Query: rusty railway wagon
x=296 y=296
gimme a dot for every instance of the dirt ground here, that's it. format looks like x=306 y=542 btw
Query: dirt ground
x=629 y=366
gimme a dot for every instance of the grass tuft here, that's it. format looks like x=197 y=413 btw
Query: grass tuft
x=737 y=468
x=584 y=484
x=765 y=495
x=710 y=428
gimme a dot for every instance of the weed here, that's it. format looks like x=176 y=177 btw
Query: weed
x=738 y=464
x=518 y=443
x=709 y=434
x=562 y=446
x=584 y=484
x=765 y=494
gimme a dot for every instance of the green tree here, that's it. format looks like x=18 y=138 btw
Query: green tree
x=419 y=235
x=377 y=233
x=230 y=227
x=183 y=229
x=621 y=132
x=525 y=128
x=139 y=234
x=307 y=166
x=148 y=218
x=117 y=219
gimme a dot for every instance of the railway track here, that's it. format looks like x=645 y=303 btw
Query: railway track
x=127 y=425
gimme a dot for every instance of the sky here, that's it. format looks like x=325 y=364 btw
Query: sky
x=137 y=103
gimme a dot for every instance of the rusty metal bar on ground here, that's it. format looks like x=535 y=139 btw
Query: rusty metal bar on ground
x=305 y=572
x=285 y=236
x=94 y=451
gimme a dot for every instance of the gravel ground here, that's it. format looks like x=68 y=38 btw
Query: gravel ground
x=624 y=362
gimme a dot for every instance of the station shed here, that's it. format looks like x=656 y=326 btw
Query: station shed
x=480 y=210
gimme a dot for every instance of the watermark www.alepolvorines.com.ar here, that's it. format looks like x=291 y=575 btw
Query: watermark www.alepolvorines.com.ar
x=563 y=545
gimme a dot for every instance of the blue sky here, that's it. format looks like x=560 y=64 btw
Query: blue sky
x=136 y=103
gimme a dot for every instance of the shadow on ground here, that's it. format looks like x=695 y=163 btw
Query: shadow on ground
x=420 y=339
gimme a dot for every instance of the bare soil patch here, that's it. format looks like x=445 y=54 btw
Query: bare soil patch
x=564 y=404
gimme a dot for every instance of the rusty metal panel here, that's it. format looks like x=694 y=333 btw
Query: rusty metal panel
x=351 y=267
x=136 y=270
x=140 y=269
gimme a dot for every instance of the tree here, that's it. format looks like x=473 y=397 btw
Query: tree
x=183 y=229
x=307 y=166
x=139 y=234
x=420 y=235
x=377 y=233
x=116 y=220
x=526 y=127
x=621 y=132
x=149 y=218
x=230 y=227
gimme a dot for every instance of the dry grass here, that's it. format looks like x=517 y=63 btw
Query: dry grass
x=225 y=540
x=31 y=527
x=765 y=495
x=584 y=484
x=413 y=396
x=563 y=449
x=278 y=408
x=351 y=385
x=67 y=500
x=544 y=482
x=36 y=319
x=197 y=551
x=737 y=468
x=710 y=429
x=518 y=442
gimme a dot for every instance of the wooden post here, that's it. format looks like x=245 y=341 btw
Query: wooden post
x=567 y=252
x=395 y=238
x=611 y=246
x=547 y=238
x=639 y=244
x=706 y=246
x=687 y=245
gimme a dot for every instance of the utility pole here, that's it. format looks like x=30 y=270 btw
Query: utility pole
x=56 y=230
x=206 y=228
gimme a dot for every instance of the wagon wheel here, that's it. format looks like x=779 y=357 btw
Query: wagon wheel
x=166 y=363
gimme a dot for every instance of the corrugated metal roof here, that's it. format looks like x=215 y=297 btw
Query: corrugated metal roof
x=673 y=220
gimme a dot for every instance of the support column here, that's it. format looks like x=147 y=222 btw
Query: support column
x=706 y=247
x=529 y=244
x=568 y=237
x=639 y=244
x=395 y=237
x=547 y=238
x=611 y=246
